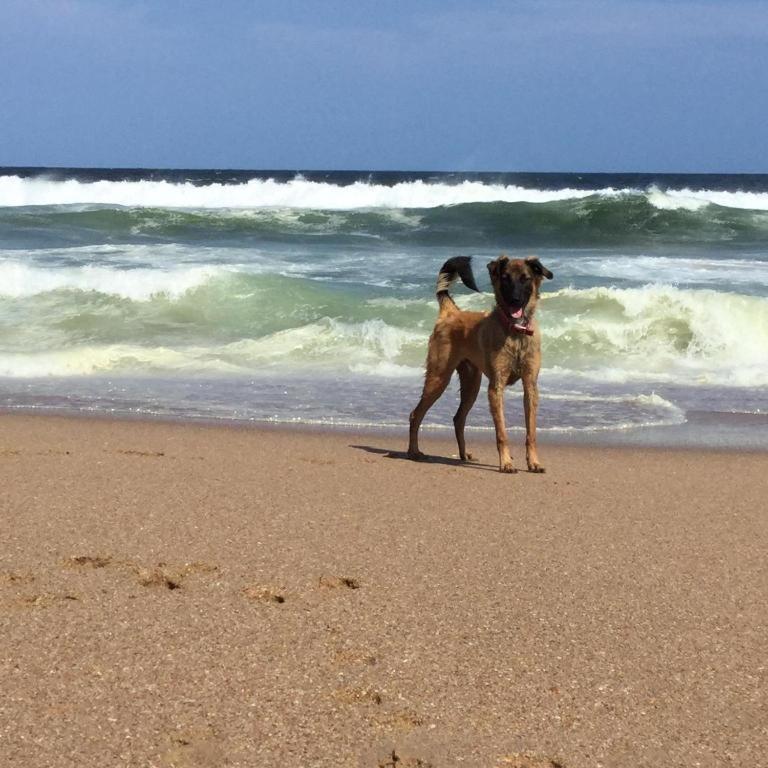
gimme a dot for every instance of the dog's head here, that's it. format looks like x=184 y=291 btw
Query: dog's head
x=516 y=282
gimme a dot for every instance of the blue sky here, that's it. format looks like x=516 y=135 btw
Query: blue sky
x=540 y=85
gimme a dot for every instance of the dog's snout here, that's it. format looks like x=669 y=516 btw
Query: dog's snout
x=516 y=292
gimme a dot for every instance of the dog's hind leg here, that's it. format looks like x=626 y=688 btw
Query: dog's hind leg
x=434 y=386
x=469 y=379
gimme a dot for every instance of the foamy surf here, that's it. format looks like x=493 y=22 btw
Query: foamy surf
x=309 y=299
x=227 y=319
x=302 y=194
x=660 y=333
x=267 y=193
x=19 y=280
x=302 y=400
x=743 y=274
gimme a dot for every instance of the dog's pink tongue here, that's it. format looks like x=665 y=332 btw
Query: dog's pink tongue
x=517 y=315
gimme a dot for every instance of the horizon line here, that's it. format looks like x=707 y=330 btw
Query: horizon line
x=351 y=171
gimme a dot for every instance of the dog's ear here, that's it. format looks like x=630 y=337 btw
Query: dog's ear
x=538 y=268
x=495 y=267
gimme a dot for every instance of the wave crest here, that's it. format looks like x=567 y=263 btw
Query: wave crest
x=267 y=193
x=658 y=333
x=230 y=321
x=300 y=193
x=589 y=220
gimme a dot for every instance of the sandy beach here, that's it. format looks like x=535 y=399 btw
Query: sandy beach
x=189 y=595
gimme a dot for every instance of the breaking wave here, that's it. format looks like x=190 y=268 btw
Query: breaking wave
x=501 y=216
x=221 y=320
x=301 y=193
x=266 y=193
x=296 y=298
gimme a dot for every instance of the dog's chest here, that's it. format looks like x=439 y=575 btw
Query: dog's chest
x=518 y=350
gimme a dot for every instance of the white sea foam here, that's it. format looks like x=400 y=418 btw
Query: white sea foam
x=119 y=359
x=371 y=347
x=386 y=369
x=19 y=280
x=674 y=200
x=261 y=193
x=654 y=332
x=690 y=199
x=673 y=270
x=329 y=343
x=299 y=193
x=658 y=332
x=653 y=399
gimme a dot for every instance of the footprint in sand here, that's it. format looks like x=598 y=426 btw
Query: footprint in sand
x=322 y=462
x=401 y=719
x=88 y=561
x=359 y=695
x=352 y=656
x=194 y=748
x=380 y=714
x=338 y=582
x=49 y=452
x=44 y=600
x=170 y=576
x=528 y=760
x=264 y=594
x=396 y=759
x=375 y=710
x=161 y=575
x=14 y=578
x=150 y=454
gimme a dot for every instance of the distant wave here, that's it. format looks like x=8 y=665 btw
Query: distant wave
x=139 y=270
x=266 y=193
x=587 y=219
x=300 y=193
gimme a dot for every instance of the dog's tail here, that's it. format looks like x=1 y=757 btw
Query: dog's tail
x=457 y=267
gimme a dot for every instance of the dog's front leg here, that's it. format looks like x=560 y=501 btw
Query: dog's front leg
x=496 y=402
x=531 y=404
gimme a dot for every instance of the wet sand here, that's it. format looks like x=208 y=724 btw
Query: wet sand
x=186 y=595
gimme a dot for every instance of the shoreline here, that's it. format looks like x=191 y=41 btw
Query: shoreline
x=727 y=430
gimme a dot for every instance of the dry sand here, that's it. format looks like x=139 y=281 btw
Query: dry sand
x=185 y=595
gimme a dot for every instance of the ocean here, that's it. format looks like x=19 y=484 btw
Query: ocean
x=307 y=297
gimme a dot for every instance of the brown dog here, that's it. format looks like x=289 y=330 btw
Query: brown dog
x=504 y=344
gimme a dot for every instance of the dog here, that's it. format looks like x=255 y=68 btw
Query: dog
x=504 y=344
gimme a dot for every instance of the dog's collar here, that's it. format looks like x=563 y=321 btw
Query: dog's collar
x=520 y=324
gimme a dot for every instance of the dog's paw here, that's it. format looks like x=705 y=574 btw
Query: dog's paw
x=508 y=469
x=416 y=456
x=469 y=459
x=537 y=469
